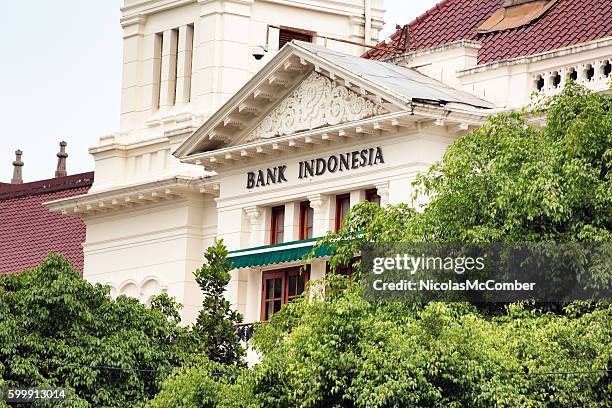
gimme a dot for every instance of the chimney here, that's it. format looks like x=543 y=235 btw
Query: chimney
x=17 y=165
x=61 y=161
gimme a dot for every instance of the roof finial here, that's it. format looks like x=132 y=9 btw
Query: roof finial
x=61 y=161
x=17 y=165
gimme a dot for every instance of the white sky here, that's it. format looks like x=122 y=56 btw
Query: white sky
x=60 y=78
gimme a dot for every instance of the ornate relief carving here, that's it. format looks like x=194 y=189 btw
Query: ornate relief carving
x=316 y=102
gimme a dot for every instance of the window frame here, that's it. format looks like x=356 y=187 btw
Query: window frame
x=341 y=198
x=266 y=276
x=275 y=228
x=284 y=275
x=305 y=210
x=298 y=33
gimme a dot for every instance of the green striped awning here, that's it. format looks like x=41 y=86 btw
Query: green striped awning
x=275 y=254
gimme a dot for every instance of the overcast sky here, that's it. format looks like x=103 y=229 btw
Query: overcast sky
x=60 y=78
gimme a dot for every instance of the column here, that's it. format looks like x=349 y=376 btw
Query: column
x=253 y=214
x=273 y=38
x=292 y=221
x=383 y=191
x=222 y=60
x=183 y=68
x=168 y=69
x=136 y=88
x=357 y=196
x=322 y=219
x=317 y=272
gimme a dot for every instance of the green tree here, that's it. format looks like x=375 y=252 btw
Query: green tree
x=510 y=181
x=201 y=384
x=215 y=327
x=347 y=352
x=56 y=329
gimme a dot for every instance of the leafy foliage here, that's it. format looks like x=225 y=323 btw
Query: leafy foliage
x=214 y=328
x=346 y=352
x=198 y=385
x=509 y=181
x=343 y=351
x=56 y=329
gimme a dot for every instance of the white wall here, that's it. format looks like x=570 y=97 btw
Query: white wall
x=510 y=83
x=161 y=243
x=406 y=154
x=224 y=34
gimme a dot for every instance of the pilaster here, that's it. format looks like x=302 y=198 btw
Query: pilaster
x=357 y=196
x=292 y=221
x=383 y=191
x=254 y=215
x=322 y=217
x=183 y=69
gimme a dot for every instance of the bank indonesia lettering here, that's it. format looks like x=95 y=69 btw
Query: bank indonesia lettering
x=317 y=167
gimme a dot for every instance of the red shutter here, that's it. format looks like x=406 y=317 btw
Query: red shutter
x=286 y=36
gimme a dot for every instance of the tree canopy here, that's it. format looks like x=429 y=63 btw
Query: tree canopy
x=57 y=329
x=215 y=326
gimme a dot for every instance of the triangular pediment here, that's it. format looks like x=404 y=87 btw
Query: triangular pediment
x=305 y=87
x=316 y=102
x=295 y=91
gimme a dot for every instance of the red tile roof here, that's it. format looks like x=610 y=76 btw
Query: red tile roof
x=566 y=23
x=28 y=231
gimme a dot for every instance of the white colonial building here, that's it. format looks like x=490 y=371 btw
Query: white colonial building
x=269 y=154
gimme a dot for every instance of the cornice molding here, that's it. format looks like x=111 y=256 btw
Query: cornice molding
x=146 y=7
x=421 y=116
x=131 y=196
x=560 y=52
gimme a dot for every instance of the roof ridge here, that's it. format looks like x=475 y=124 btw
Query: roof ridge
x=437 y=7
x=46 y=186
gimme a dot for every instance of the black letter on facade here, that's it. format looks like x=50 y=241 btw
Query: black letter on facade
x=260 y=179
x=271 y=176
x=364 y=157
x=379 y=156
x=250 y=180
x=354 y=159
x=281 y=174
x=320 y=167
x=344 y=161
x=332 y=164
x=309 y=168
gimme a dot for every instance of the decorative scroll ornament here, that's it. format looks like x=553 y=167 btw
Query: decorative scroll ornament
x=316 y=102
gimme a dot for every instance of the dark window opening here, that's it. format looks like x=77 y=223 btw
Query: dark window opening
x=556 y=79
x=373 y=196
x=344 y=270
x=607 y=68
x=539 y=83
x=280 y=287
x=286 y=35
x=306 y=220
x=343 y=204
x=573 y=74
x=277 y=229
x=272 y=297
x=589 y=72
